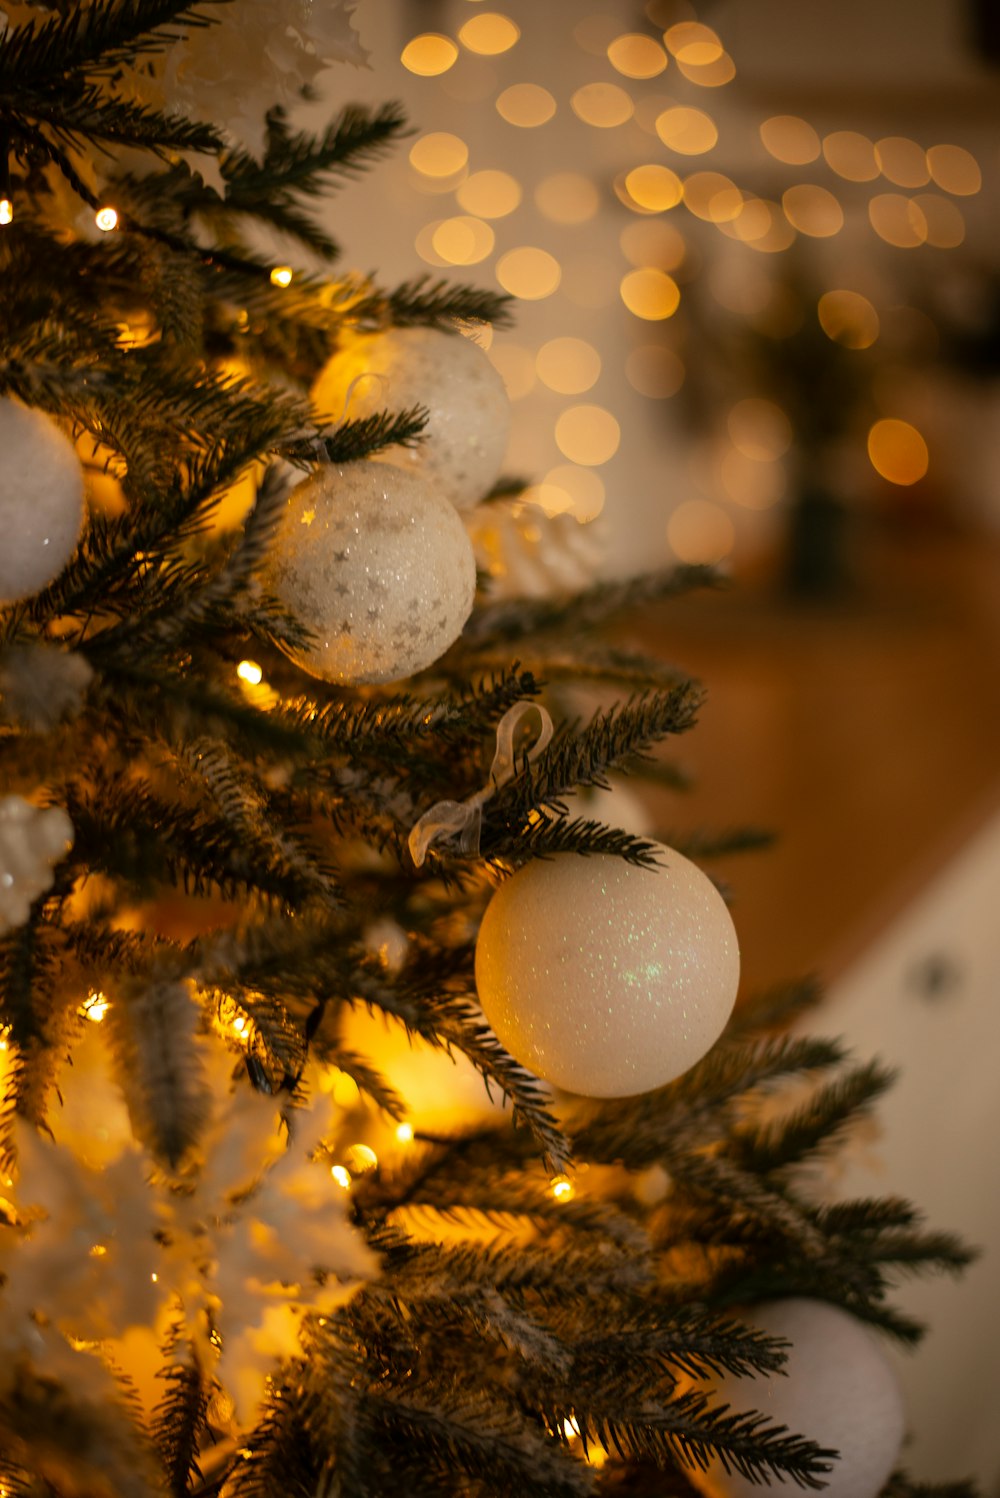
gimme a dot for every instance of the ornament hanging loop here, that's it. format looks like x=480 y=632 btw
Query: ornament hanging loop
x=461 y=822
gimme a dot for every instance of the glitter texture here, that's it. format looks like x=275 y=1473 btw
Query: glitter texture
x=465 y=439
x=377 y=566
x=604 y=978
x=41 y=500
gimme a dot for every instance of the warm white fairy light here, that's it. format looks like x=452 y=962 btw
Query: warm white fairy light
x=6 y=211
x=95 y=1007
x=563 y=1190
x=282 y=276
x=250 y=671
x=106 y=219
x=342 y=1176
x=404 y=1133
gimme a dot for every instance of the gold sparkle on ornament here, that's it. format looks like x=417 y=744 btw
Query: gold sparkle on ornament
x=106 y=219
x=282 y=275
x=250 y=671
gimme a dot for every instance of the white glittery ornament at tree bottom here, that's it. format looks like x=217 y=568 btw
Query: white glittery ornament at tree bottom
x=32 y=840
x=41 y=500
x=605 y=978
x=837 y=1389
x=465 y=440
x=377 y=566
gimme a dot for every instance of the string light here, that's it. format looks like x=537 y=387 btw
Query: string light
x=404 y=1133
x=106 y=219
x=282 y=276
x=96 y=1007
x=6 y=211
x=341 y=1176
x=563 y=1190
x=250 y=671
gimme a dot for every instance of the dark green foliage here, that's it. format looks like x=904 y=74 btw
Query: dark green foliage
x=246 y=848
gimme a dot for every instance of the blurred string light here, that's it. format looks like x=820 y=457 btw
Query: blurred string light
x=429 y=54
x=790 y=140
x=106 y=219
x=489 y=33
x=603 y=105
x=439 y=154
x=282 y=275
x=652 y=188
x=812 y=210
x=6 y=211
x=699 y=531
x=693 y=43
x=489 y=194
x=689 y=132
x=526 y=105
x=848 y=318
x=898 y=452
x=652 y=242
x=569 y=366
x=636 y=56
x=851 y=155
x=650 y=293
x=529 y=273
x=588 y=435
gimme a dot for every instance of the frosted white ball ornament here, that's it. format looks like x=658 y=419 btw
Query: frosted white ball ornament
x=377 y=566
x=465 y=439
x=837 y=1389
x=41 y=500
x=605 y=978
x=32 y=841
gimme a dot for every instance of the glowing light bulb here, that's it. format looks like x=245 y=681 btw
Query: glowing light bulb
x=96 y=1007
x=249 y=671
x=282 y=275
x=563 y=1190
x=341 y=1176
x=6 y=211
x=154 y=1277
x=106 y=219
x=404 y=1133
x=239 y=1024
x=571 y=1429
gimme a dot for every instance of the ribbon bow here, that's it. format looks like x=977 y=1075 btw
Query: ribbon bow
x=461 y=822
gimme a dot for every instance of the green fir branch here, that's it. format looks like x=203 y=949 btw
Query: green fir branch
x=178 y=1421
x=816 y=1126
x=94 y=39
x=359 y=438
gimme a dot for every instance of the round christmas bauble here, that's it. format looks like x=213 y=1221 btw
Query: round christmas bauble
x=377 y=566
x=465 y=439
x=605 y=978
x=839 y=1390
x=41 y=500
x=32 y=840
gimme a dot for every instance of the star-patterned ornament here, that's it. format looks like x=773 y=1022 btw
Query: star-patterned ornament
x=378 y=566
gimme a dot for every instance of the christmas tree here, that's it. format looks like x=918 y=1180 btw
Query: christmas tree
x=266 y=907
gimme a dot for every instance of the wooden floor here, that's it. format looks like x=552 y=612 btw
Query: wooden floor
x=864 y=732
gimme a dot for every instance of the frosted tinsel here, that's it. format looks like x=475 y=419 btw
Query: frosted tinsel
x=32 y=840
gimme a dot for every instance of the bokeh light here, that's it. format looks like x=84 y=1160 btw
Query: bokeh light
x=898 y=452
x=568 y=365
x=954 y=170
x=710 y=74
x=898 y=220
x=424 y=244
x=463 y=240
x=489 y=33
x=526 y=105
x=689 y=132
x=637 y=56
x=567 y=198
x=699 y=531
x=945 y=224
x=851 y=155
x=584 y=488
x=439 y=154
x=902 y=161
x=692 y=42
x=759 y=429
x=654 y=371
x=588 y=435
x=848 y=318
x=653 y=242
x=653 y=188
x=603 y=105
x=650 y=293
x=429 y=54
x=789 y=139
x=713 y=197
x=812 y=210
x=489 y=194
x=528 y=273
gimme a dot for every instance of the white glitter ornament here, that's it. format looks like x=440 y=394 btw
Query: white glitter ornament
x=32 y=840
x=604 y=978
x=377 y=566
x=465 y=439
x=41 y=500
x=838 y=1390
